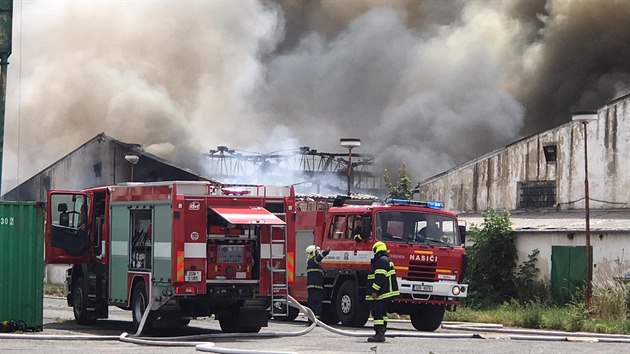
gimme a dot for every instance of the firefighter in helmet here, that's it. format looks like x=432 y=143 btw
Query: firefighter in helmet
x=382 y=287
x=315 y=279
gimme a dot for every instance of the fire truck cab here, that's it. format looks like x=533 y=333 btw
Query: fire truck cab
x=183 y=249
x=425 y=244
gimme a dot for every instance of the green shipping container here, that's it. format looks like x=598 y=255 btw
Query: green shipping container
x=22 y=263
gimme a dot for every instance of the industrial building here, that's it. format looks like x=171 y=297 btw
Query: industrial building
x=100 y=161
x=541 y=181
x=104 y=160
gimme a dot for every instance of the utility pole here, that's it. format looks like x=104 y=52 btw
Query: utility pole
x=585 y=117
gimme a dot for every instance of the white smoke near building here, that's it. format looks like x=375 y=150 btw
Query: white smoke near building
x=428 y=83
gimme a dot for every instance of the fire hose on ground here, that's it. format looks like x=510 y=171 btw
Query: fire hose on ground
x=205 y=346
x=209 y=347
x=201 y=345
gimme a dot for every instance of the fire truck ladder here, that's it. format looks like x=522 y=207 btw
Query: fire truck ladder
x=278 y=271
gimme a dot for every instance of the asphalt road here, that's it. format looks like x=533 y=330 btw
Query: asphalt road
x=58 y=320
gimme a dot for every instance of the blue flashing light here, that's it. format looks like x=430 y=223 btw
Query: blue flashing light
x=431 y=204
x=435 y=205
x=398 y=201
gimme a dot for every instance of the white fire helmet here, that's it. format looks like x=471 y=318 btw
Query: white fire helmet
x=311 y=251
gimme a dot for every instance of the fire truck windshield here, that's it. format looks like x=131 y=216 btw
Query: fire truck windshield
x=416 y=228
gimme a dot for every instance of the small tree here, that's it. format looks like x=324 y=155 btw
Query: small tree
x=529 y=288
x=403 y=189
x=492 y=260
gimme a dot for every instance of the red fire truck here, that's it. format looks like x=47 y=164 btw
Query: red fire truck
x=186 y=249
x=425 y=244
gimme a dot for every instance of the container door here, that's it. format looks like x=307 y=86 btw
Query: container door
x=66 y=228
x=21 y=268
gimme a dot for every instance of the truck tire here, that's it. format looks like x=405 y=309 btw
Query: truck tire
x=427 y=318
x=139 y=303
x=229 y=323
x=79 y=305
x=351 y=310
x=329 y=315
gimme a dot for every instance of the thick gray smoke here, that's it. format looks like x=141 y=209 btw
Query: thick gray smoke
x=430 y=83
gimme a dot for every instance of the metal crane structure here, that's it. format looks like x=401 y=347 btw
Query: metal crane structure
x=308 y=169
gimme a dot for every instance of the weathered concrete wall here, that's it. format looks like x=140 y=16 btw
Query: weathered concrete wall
x=491 y=181
x=611 y=252
x=98 y=162
x=56 y=273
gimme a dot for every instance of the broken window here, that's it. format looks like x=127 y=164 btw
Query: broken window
x=538 y=194
x=550 y=153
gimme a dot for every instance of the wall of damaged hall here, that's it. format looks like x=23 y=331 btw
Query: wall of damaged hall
x=96 y=163
x=610 y=259
x=551 y=161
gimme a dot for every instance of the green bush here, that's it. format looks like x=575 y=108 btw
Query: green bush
x=577 y=314
x=492 y=259
x=529 y=289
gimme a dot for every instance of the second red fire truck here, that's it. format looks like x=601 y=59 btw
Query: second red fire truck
x=425 y=244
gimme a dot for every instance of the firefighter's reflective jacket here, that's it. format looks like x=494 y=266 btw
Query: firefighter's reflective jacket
x=314 y=272
x=382 y=280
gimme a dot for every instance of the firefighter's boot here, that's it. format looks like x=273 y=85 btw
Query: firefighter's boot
x=379 y=337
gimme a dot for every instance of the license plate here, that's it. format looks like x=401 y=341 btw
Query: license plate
x=192 y=276
x=422 y=287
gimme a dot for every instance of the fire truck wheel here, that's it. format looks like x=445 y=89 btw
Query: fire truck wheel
x=329 y=315
x=427 y=317
x=350 y=309
x=80 y=299
x=138 y=305
x=229 y=324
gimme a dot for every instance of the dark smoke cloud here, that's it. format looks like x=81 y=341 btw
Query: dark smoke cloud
x=580 y=61
x=430 y=83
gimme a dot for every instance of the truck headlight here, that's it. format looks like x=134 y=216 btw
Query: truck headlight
x=455 y=290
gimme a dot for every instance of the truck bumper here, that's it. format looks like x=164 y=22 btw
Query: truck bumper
x=419 y=290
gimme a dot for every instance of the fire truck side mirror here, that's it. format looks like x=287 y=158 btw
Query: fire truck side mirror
x=462 y=233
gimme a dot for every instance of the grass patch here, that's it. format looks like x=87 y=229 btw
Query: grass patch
x=54 y=290
x=610 y=312
x=571 y=318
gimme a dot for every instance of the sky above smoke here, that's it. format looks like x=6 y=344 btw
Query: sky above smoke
x=430 y=83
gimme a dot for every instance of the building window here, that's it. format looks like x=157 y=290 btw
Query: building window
x=46 y=183
x=97 y=170
x=550 y=153
x=540 y=194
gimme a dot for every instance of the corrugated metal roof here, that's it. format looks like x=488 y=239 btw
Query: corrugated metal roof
x=319 y=196
x=600 y=220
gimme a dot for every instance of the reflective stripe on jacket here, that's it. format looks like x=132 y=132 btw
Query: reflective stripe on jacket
x=314 y=272
x=382 y=280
